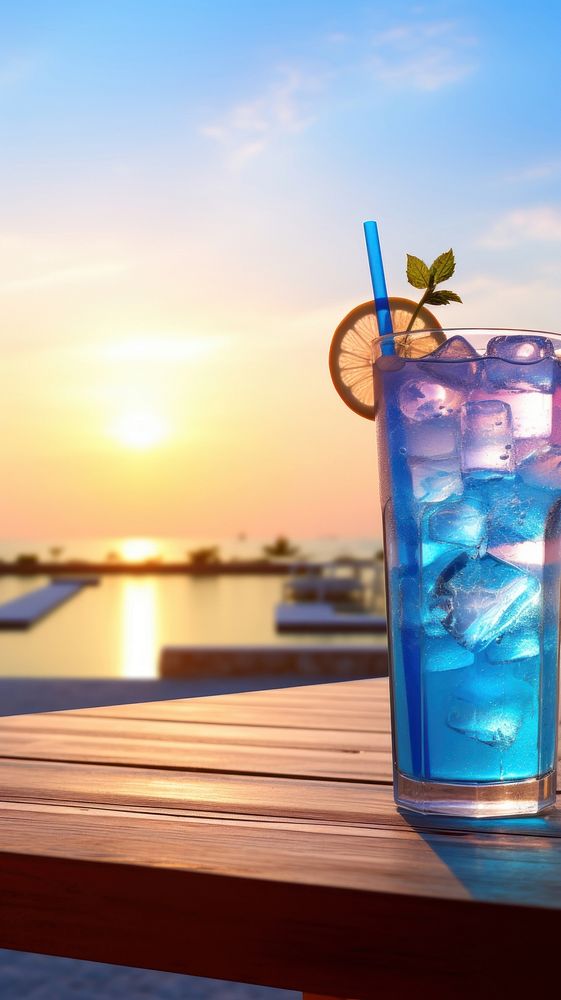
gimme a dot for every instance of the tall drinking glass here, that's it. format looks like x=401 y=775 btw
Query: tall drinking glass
x=469 y=444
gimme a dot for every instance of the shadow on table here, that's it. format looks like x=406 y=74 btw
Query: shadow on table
x=500 y=860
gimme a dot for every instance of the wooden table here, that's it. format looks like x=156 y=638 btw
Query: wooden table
x=254 y=837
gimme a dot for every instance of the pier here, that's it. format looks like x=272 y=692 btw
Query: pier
x=23 y=612
x=302 y=660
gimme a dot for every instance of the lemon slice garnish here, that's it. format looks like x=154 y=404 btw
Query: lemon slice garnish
x=350 y=354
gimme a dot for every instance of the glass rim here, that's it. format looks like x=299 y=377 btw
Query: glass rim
x=506 y=330
x=441 y=334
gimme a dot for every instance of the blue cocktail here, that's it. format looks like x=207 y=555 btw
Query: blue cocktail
x=469 y=440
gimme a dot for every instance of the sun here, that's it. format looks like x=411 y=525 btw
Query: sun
x=140 y=430
x=138 y=549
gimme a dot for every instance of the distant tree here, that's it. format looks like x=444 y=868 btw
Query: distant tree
x=26 y=559
x=113 y=557
x=206 y=556
x=379 y=555
x=281 y=548
x=55 y=552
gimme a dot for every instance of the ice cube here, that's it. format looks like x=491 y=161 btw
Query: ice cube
x=414 y=610
x=516 y=516
x=487 y=439
x=434 y=480
x=458 y=363
x=444 y=653
x=435 y=438
x=482 y=598
x=412 y=607
x=458 y=522
x=523 y=348
x=490 y=706
x=434 y=557
x=456 y=348
x=531 y=412
x=524 y=447
x=521 y=362
x=521 y=644
x=424 y=399
x=543 y=469
x=528 y=670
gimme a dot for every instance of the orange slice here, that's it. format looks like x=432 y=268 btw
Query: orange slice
x=350 y=354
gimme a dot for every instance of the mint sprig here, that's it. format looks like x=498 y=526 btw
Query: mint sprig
x=420 y=275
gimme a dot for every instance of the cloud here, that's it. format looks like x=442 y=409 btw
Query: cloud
x=541 y=223
x=492 y=301
x=415 y=55
x=285 y=107
x=424 y=56
x=537 y=171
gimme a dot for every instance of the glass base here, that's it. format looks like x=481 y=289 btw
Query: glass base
x=504 y=798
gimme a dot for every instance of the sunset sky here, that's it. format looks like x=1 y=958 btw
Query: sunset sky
x=182 y=191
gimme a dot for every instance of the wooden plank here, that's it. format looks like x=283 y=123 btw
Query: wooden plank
x=218 y=710
x=27 y=610
x=262 y=798
x=105 y=786
x=243 y=715
x=435 y=866
x=343 y=912
x=331 y=754
x=363 y=859
x=106 y=727
x=224 y=757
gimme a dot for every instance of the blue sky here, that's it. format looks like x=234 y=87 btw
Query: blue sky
x=186 y=172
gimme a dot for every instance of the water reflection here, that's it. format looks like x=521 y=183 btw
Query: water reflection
x=118 y=628
x=139 y=628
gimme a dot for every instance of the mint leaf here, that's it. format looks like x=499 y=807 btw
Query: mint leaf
x=418 y=273
x=421 y=276
x=442 y=298
x=443 y=267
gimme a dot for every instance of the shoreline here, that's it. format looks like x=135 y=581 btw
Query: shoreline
x=256 y=567
x=241 y=567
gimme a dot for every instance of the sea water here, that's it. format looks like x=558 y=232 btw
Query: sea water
x=470 y=446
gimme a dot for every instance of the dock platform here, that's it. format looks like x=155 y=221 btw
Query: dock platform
x=303 y=660
x=24 y=612
x=319 y=616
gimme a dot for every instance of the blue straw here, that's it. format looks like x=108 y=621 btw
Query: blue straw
x=383 y=314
